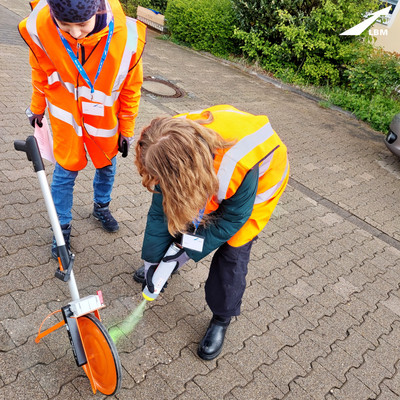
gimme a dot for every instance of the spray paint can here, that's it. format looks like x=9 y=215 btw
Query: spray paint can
x=161 y=274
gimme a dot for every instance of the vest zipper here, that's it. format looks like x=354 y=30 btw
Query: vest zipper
x=78 y=45
x=82 y=53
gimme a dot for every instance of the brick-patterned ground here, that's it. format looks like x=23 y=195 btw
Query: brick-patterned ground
x=321 y=314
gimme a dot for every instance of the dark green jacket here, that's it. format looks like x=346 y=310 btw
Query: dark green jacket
x=226 y=221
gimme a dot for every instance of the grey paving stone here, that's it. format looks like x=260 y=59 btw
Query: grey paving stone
x=174 y=341
x=283 y=371
x=259 y=388
x=305 y=351
x=394 y=383
x=338 y=362
x=220 y=381
x=371 y=373
x=54 y=376
x=15 y=361
x=192 y=391
x=294 y=325
x=149 y=388
x=182 y=369
x=24 y=387
x=5 y=340
x=318 y=382
x=263 y=315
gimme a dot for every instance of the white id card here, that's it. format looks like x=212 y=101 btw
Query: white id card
x=192 y=242
x=96 y=109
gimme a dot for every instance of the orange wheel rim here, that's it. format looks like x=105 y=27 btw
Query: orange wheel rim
x=100 y=358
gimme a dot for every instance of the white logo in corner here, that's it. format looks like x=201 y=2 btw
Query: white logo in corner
x=361 y=27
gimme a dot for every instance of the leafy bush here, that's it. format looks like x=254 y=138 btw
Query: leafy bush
x=158 y=5
x=377 y=110
x=203 y=24
x=130 y=6
x=262 y=16
x=374 y=72
x=301 y=35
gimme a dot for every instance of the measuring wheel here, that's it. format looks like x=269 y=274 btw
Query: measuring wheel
x=103 y=366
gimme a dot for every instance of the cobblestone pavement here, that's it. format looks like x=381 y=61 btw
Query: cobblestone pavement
x=321 y=313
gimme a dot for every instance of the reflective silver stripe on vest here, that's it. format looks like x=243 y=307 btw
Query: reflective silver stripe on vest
x=130 y=49
x=31 y=23
x=98 y=96
x=214 y=111
x=55 y=77
x=265 y=165
x=68 y=118
x=83 y=91
x=64 y=116
x=270 y=193
x=233 y=111
x=236 y=153
x=93 y=131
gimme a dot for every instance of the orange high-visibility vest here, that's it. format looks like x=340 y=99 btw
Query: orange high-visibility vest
x=257 y=143
x=58 y=85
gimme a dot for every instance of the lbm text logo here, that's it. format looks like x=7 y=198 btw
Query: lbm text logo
x=361 y=27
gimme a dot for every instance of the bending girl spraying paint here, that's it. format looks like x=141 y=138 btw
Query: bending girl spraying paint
x=216 y=177
x=87 y=69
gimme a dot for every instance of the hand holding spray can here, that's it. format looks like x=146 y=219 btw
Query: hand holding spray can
x=162 y=273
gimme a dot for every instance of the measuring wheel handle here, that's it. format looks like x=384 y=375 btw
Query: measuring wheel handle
x=64 y=259
x=31 y=148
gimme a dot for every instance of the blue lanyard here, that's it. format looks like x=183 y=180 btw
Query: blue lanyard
x=77 y=62
x=197 y=221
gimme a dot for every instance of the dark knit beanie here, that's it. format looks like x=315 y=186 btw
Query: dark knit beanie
x=74 y=11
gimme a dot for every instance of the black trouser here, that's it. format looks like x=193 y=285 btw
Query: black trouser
x=226 y=280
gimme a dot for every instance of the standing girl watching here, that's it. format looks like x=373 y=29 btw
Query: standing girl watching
x=87 y=70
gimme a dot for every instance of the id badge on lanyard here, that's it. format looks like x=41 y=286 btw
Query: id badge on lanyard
x=192 y=241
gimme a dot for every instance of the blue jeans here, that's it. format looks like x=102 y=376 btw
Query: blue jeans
x=63 y=183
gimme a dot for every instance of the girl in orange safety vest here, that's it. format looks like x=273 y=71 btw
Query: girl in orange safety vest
x=87 y=69
x=216 y=176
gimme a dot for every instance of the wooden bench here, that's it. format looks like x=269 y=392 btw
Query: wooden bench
x=151 y=18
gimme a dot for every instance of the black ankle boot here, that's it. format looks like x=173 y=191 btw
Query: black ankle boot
x=213 y=340
x=66 y=231
x=102 y=213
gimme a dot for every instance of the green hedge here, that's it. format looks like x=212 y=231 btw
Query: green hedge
x=130 y=6
x=158 y=5
x=203 y=24
x=373 y=72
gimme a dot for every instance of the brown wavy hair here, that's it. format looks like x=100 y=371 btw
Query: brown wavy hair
x=177 y=154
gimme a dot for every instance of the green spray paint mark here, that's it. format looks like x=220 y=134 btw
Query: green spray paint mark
x=129 y=324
